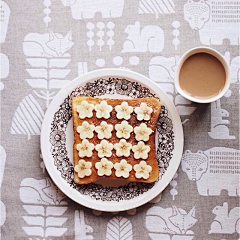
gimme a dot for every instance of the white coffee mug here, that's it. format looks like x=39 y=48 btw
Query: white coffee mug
x=215 y=54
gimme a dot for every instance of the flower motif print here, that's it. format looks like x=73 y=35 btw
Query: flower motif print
x=143 y=112
x=104 y=149
x=123 y=148
x=85 y=130
x=104 y=167
x=104 y=130
x=141 y=150
x=142 y=170
x=122 y=169
x=85 y=148
x=57 y=138
x=123 y=87
x=85 y=110
x=142 y=132
x=103 y=110
x=83 y=168
x=124 y=111
x=123 y=130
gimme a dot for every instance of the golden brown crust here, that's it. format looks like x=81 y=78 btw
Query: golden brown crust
x=152 y=123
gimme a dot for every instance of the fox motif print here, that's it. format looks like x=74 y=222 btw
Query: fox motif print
x=163 y=223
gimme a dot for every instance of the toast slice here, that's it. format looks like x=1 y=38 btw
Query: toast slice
x=133 y=121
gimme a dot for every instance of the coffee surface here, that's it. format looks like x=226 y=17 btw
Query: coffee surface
x=202 y=76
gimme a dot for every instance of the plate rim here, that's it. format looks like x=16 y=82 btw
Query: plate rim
x=46 y=125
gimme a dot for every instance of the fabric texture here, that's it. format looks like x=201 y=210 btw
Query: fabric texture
x=45 y=44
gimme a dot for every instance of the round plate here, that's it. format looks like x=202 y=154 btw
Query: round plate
x=57 y=140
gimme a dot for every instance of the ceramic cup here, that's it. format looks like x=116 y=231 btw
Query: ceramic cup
x=215 y=54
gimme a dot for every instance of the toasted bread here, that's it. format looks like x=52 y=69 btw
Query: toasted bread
x=152 y=123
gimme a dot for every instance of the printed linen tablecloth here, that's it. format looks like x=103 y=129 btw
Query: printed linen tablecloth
x=45 y=44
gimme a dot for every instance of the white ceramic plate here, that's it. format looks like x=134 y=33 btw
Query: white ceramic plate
x=57 y=140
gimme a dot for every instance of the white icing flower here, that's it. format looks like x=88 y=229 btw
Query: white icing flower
x=85 y=130
x=123 y=130
x=104 y=149
x=142 y=170
x=85 y=109
x=104 y=167
x=85 y=148
x=143 y=112
x=141 y=150
x=83 y=168
x=122 y=169
x=123 y=148
x=124 y=111
x=142 y=132
x=104 y=130
x=103 y=110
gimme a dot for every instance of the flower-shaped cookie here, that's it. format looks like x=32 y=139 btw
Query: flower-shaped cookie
x=142 y=132
x=122 y=169
x=104 y=167
x=83 y=168
x=124 y=111
x=85 y=110
x=143 y=112
x=104 y=149
x=123 y=130
x=123 y=148
x=103 y=110
x=142 y=170
x=104 y=130
x=85 y=148
x=141 y=150
x=85 y=130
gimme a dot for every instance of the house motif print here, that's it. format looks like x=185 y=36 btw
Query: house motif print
x=45 y=208
x=170 y=223
x=48 y=57
x=213 y=170
x=86 y=9
x=214 y=20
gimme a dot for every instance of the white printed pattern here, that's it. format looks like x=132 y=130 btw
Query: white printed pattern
x=3 y=157
x=162 y=71
x=4 y=20
x=85 y=9
x=156 y=7
x=214 y=19
x=4 y=68
x=213 y=170
x=225 y=222
x=45 y=207
x=173 y=183
x=164 y=223
x=176 y=33
x=81 y=228
x=219 y=130
x=82 y=68
x=119 y=228
x=118 y=62
x=150 y=38
x=105 y=34
x=48 y=57
x=47 y=11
